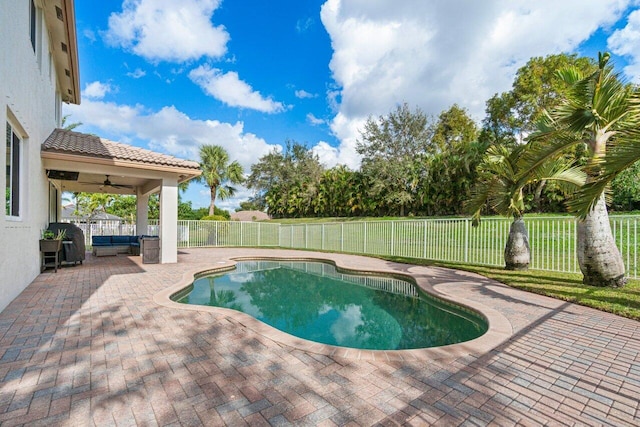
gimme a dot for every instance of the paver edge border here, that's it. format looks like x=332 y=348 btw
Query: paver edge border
x=499 y=327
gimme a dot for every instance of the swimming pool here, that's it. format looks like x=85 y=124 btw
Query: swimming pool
x=314 y=301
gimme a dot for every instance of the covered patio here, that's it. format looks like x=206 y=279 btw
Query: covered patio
x=78 y=162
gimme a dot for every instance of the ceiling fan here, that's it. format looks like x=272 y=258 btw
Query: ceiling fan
x=107 y=183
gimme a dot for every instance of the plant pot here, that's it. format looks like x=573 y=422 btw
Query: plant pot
x=50 y=245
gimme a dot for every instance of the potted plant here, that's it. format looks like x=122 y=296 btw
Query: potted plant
x=50 y=241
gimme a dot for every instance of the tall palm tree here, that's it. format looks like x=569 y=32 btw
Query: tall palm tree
x=217 y=172
x=500 y=185
x=602 y=112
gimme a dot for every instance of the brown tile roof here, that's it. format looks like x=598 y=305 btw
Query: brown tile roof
x=69 y=142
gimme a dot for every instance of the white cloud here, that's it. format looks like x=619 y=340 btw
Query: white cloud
x=228 y=88
x=242 y=194
x=96 y=90
x=433 y=54
x=169 y=130
x=327 y=154
x=314 y=120
x=303 y=25
x=89 y=35
x=167 y=30
x=137 y=73
x=302 y=94
x=626 y=42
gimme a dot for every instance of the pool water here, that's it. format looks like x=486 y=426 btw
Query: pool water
x=314 y=301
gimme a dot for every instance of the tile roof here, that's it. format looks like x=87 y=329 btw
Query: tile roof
x=69 y=142
x=249 y=216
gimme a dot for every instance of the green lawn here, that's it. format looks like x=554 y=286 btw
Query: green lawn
x=552 y=239
x=567 y=287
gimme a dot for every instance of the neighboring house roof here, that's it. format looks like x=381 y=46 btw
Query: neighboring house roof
x=68 y=213
x=69 y=142
x=249 y=216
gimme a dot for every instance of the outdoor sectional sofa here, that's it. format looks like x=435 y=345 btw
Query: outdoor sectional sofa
x=113 y=245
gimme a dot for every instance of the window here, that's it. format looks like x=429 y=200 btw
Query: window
x=32 y=23
x=58 y=108
x=12 y=192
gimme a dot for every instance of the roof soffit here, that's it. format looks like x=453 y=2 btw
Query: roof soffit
x=60 y=21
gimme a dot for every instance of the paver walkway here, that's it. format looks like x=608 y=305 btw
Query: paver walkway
x=89 y=346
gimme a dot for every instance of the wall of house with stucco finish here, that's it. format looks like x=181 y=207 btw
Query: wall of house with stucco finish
x=30 y=103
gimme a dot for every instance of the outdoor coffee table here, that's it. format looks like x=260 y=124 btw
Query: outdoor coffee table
x=105 y=251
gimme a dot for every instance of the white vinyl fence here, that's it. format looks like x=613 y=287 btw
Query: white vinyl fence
x=108 y=227
x=552 y=239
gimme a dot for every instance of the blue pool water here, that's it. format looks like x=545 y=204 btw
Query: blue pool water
x=314 y=301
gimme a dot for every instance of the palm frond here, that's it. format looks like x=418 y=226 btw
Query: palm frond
x=585 y=199
x=547 y=143
x=570 y=75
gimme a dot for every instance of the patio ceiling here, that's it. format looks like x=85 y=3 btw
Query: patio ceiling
x=80 y=162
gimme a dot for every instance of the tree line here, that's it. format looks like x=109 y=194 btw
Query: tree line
x=566 y=133
x=418 y=165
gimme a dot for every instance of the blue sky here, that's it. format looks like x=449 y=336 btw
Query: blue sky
x=248 y=75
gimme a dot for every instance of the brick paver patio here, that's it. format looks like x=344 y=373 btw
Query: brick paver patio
x=90 y=345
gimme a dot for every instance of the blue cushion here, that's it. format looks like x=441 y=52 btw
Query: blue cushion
x=101 y=240
x=134 y=239
x=135 y=245
x=120 y=240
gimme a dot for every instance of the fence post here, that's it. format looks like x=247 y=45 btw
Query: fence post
x=365 y=238
x=424 y=248
x=322 y=244
x=466 y=240
x=342 y=237
x=393 y=237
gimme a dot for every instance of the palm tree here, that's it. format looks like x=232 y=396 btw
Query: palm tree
x=500 y=185
x=602 y=112
x=217 y=171
x=68 y=126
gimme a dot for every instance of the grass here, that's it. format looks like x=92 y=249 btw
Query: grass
x=552 y=240
x=563 y=286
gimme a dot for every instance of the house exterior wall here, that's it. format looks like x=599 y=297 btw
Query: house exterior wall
x=29 y=101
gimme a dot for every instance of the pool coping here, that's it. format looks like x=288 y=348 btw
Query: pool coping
x=499 y=327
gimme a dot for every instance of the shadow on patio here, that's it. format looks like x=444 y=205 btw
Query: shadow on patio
x=88 y=344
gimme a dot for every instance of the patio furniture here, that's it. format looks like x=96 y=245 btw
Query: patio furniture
x=50 y=254
x=122 y=244
x=150 y=248
x=105 y=250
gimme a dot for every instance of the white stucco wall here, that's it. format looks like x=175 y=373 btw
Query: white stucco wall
x=28 y=93
x=169 y=221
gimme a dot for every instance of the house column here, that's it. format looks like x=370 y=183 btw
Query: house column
x=169 y=221
x=142 y=213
